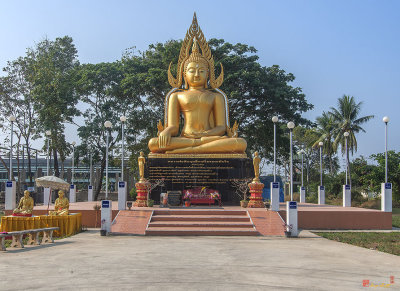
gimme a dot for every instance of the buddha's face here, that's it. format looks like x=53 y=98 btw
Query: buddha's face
x=26 y=193
x=196 y=74
x=61 y=194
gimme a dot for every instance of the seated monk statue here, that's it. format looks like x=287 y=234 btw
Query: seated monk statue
x=205 y=111
x=61 y=206
x=25 y=206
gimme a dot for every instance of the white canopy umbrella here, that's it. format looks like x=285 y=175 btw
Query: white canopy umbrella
x=52 y=182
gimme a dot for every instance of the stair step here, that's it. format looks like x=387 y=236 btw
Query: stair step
x=201 y=231
x=213 y=224
x=206 y=212
x=200 y=218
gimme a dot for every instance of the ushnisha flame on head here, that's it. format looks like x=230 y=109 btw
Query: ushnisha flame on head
x=195 y=35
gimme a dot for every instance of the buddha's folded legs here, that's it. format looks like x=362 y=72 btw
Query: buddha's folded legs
x=224 y=145
x=180 y=142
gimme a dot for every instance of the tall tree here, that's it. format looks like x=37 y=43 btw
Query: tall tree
x=16 y=99
x=325 y=130
x=52 y=68
x=347 y=118
x=99 y=87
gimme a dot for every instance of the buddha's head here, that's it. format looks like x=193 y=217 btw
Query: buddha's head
x=196 y=69
x=190 y=64
x=26 y=193
x=61 y=193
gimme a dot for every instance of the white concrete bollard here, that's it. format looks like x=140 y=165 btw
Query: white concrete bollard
x=106 y=215
x=321 y=194
x=122 y=195
x=386 y=197
x=302 y=194
x=346 y=196
x=274 y=206
x=291 y=217
x=90 y=193
x=47 y=196
x=72 y=193
x=11 y=195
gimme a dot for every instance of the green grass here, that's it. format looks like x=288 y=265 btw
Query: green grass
x=396 y=217
x=388 y=242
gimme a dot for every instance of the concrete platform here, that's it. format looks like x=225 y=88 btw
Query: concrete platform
x=311 y=216
x=314 y=216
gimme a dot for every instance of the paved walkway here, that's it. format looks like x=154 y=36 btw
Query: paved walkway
x=91 y=262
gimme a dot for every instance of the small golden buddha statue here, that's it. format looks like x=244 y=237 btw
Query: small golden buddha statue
x=256 y=164
x=61 y=206
x=206 y=126
x=25 y=205
x=141 y=162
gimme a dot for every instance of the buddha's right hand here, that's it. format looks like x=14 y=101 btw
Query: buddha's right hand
x=164 y=139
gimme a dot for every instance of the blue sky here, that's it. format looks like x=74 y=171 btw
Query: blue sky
x=332 y=47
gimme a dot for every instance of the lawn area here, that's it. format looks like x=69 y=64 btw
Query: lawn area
x=396 y=217
x=388 y=242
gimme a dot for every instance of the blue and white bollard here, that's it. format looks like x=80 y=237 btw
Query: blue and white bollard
x=122 y=195
x=11 y=192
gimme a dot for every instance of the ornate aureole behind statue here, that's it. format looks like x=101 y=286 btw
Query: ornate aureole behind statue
x=206 y=151
x=205 y=111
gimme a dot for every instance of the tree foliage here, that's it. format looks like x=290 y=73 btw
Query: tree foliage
x=52 y=66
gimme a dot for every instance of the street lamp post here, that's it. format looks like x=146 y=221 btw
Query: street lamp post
x=107 y=125
x=346 y=134
x=274 y=186
x=12 y=118
x=386 y=188
x=386 y=121
x=320 y=160
x=48 y=133
x=73 y=162
x=321 y=188
x=302 y=189
x=122 y=189
x=290 y=125
x=123 y=119
x=346 y=188
x=11 y=188
x=275 y=120
x=72 y=190
x=90 y=167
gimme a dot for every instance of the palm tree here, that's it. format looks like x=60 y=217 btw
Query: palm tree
x=346 y=117
x=325 y=130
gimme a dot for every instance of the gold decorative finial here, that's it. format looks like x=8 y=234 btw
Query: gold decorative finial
x=256 y=164
x=194 y=34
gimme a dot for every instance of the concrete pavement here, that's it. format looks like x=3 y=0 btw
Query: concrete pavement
x=88 y=261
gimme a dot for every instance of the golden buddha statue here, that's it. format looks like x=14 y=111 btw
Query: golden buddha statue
x=61 y=206
x=25 y=205
x=206 y=126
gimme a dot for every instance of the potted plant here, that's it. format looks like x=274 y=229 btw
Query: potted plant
x=150 y=203
x=129 y=204
x=243 y=203
x=187 y=197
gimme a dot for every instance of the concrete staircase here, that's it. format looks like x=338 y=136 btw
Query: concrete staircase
x=201 y=222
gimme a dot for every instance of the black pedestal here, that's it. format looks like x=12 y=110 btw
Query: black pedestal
x=215 y=171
